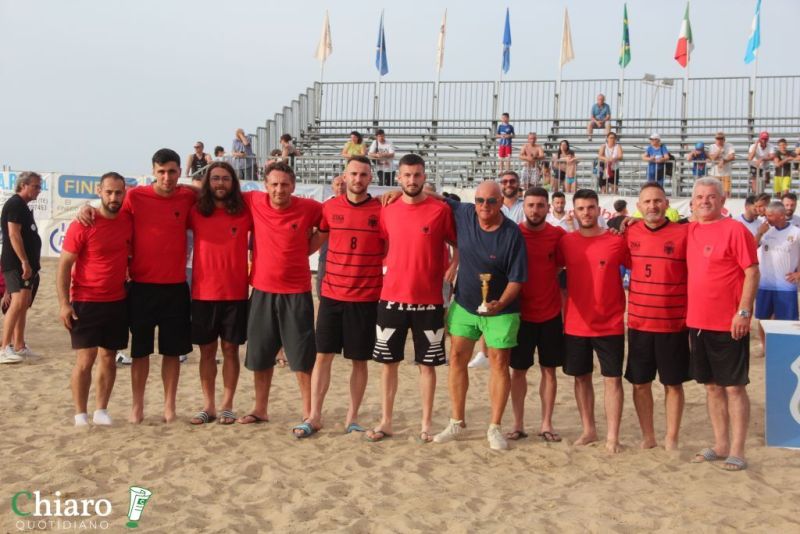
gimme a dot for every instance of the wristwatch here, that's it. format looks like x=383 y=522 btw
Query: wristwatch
x=745 y=314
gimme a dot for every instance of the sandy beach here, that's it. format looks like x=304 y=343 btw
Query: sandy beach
x=258 y=478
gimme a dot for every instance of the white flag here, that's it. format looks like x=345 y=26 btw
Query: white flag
x=567 y=53
x=325 y=46
x=440 y=46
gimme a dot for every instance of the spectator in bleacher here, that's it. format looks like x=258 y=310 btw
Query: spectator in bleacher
x=760 y=155
x=354 y=147
x=610 y=154
x=219 y=153
x=197 y=160
x=722 y=154
x=783 y=168
x=750 y=217
x=656 y=155
x=600 y=116
x=288 y=150
x=534 y=165
x=565 y=166
x=243 y=159
x=512 y=202
x=698 y=158
x=382 y=151
x=505 y=133
x=790 y=203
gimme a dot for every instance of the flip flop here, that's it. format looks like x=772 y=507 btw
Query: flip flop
x=734 y=463
x=424 y=437
x=377 y=435
x=706 y=455
x=253 y=419
x=516 y=435
x=226 y=414
x=204 y=418
x=354 y=427
x=550 y=437
x=305 y=429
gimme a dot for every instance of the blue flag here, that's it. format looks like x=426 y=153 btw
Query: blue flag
x=380 y=52
x=755 y=36
x=507 y=44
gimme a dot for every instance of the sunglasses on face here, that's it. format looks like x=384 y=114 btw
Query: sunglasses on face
x=491 y=201
x=505 y=182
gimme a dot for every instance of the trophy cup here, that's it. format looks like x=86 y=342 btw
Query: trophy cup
x=485 y=277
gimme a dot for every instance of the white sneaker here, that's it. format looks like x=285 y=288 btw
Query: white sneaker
x=479 y=361
x=82 y=419
x=183 y=357
x=123 y=359
x=9 y=355
x=451 y=432
x=497 y=442
x=102 y=418
x=26 y=352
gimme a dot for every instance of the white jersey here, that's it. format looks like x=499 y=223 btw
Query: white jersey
x=753 y=225
x=795 y=220
x=562 y=223
x=778 y=255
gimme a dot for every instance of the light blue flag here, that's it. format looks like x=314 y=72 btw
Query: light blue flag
x=755 y=36
x=380 y=53
x=507 y=44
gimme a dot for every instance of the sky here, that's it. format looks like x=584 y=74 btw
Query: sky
x=90 y=86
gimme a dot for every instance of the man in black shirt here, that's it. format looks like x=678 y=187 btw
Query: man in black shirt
x=21 y=251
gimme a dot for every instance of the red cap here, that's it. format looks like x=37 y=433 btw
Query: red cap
x=763 y=135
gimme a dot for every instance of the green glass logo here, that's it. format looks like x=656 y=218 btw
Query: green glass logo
x=139 y=497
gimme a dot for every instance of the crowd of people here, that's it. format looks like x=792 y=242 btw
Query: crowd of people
x=529 y=278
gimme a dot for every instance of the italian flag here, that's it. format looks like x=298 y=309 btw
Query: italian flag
x=685 y=42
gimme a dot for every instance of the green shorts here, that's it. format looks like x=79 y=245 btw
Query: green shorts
x=499 y=331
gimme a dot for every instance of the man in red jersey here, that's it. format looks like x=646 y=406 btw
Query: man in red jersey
x=657 y=336
x=594 y=315
x=281 y=308
x=723 y=278
x=351 y=286
x=417 y=228
x=541 y=326
x=220 y=224
x=92 y=297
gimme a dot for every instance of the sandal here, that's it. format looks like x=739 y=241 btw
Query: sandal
x=517 y=435
x=226 y=417
x=734 y=463
x=202 y=418
x=706 y=455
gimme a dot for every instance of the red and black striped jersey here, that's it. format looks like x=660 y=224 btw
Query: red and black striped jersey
x=354 y=264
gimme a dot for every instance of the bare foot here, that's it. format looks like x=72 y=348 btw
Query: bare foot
x=169 y=417
x=648 y=443
x=613 y=447
x=586 y=439
x=137 y=415
x=670 y=445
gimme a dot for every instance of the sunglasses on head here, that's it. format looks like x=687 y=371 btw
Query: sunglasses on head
x=490 y=201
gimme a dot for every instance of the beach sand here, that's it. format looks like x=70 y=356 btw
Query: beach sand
x=258 y=478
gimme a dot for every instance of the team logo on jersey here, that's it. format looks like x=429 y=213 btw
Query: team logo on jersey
x=338 y=218
x=372 y=221
x=635 y=245
x=426 y=229
x=177 y=214
x=602 y=264
x=707 y=250
x=790 y=239
x=234 y=230
x=669 y=248
x=551 y=256
x=492 y=257
x=294 y=226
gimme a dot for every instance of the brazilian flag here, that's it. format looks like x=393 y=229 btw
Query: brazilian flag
x=625 y=48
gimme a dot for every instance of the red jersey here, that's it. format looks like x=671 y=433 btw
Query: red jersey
x=159 y=234
x=415 y=260
x=101 y=267
x=219 y=262
x=595 y=298
x=354 y=264
x=717 y=255
x=657 y=293
x=541 y=296
x=280 y=247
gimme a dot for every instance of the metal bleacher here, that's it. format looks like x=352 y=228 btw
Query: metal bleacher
x=452 y=124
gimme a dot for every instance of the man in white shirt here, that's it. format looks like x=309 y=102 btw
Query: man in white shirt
x=750 y=217
x=512 y=203
x=789 y=201
x=722 y=154
x=382 y=152
x=761 y=153
x=559 y=216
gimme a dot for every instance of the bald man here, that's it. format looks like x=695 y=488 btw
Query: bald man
x=492 y=269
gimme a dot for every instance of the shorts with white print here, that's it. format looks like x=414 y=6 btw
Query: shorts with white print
x=426 y=322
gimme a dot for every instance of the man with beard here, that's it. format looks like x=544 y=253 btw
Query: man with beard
x=594 y=315
x=789 y=201
x=541 y=327
x=559 y=215
x=92 y=297
x=658 y=340
x=220 y=223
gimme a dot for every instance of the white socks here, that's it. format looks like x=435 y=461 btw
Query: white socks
x=101 y=417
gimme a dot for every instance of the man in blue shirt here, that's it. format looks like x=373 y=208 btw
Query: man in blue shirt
x=656 y=155
x=600 y=116
x=505 y=133
x=698 y=157
x=492 y=245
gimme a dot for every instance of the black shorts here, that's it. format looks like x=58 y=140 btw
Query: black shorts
x=547 y=337
x=604 y=178
x=278 y=320
x=426 y=322
x=578 y=355
x=667 y=353
x=718 y=358
x=165 y=306
x=14 y=283
x=765 y=174
x=100 y=324
x=560 y=175
x=219 y=319
x=346 y=327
